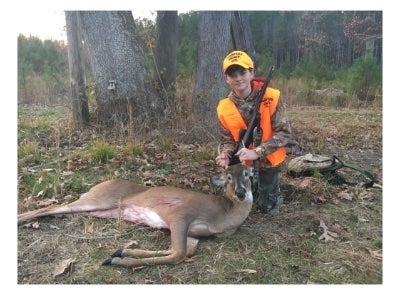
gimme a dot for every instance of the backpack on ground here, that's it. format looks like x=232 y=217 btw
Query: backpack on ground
x=311 y=164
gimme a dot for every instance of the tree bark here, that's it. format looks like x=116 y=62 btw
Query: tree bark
x=244 y=34
x=210 y=86
x=123 y=89
x=79 y=101
x=165 y=54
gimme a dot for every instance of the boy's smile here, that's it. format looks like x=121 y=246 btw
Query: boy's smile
x=240 y=81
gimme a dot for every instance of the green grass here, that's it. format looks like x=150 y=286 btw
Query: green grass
x=102 y=151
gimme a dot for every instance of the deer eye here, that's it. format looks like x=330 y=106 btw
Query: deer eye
x=229 y=178
x=246 y=173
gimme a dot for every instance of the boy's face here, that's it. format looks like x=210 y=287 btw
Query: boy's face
x=239 y=79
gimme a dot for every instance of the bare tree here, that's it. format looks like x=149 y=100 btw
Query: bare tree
x=79 y=101
x=122 y=82
x=165 y=53
x=213 y=45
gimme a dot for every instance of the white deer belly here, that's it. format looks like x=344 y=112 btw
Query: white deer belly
x=143 y=215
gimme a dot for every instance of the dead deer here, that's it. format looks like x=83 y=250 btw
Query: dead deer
x=189 y=215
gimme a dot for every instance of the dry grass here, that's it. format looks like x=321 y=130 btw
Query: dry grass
x=281 y=249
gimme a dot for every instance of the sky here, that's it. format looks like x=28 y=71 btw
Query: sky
x=48 y=21
x=50 y=24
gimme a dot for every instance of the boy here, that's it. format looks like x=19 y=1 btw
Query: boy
x=234 y=113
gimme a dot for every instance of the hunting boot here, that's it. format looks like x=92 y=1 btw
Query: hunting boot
x=269 y=198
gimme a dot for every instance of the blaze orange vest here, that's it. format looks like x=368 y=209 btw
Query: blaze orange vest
x=230 y=118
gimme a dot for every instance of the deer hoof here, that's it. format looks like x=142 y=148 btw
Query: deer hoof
x=117 y=253
x=107 y=261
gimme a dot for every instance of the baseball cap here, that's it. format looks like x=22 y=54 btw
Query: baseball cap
x=239 y=58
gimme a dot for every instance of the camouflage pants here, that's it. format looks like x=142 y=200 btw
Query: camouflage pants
x=268 y=196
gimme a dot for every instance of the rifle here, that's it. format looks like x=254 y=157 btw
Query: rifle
x=253 y=133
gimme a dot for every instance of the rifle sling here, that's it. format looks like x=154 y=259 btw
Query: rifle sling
x=356 y=168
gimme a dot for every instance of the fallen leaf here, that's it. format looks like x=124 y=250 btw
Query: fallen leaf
x=305 y=183
x=327 y=235
x=32 y=225
x=67 y=173
x=131 y=243
x=89 y=227
x=361 y=219
x=345 y=195
x=376 y=254
x=61 y=267
x=46 y=203
x=246 y=270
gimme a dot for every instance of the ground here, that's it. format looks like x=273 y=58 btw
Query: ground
x=327 y=231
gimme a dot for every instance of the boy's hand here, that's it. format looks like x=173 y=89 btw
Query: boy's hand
x=246 y=154
x=222 y=159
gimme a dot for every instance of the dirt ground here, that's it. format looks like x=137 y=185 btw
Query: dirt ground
x=327 y=232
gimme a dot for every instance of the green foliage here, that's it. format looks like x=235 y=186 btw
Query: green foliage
x=29 y=152
x=42 y=69
x=44 y=185
x=187 y=44
x=134 y=148
x=40 y=125
x=319 y=48
x=78 y=184
x=41 y=57
x=165 y=144
x=101 y=151
x=264 y=62
x=146 y=31
x=365 y=76
x=315 y=67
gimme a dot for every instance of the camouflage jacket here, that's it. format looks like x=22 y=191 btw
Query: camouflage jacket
x=282 y=133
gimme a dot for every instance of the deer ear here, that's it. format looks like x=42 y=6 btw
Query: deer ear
x=218 y=180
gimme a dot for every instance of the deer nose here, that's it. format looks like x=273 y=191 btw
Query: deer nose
x=240 y=192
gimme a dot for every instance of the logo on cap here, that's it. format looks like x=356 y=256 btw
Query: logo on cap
x=239 y=58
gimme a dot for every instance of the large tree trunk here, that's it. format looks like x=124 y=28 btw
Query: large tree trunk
x=210 y=86
x=79 y=101
x=165 y=54
x=123 y=88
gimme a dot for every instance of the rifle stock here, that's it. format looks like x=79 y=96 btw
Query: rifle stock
x=246 y=136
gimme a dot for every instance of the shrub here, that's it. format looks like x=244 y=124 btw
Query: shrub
x=101 y=151
x=365 y=77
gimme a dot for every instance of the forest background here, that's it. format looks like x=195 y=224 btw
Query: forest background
x=311 y=51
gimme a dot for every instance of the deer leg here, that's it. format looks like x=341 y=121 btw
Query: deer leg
x=171 y=257
x=140 y=253
x=191 y=246
x=177 y=252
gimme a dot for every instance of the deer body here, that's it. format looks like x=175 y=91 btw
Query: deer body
x=188 y=215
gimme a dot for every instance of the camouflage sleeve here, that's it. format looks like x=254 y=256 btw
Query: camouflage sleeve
x=227 y=140
x=282 y=133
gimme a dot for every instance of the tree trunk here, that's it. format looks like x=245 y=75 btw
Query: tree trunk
x=244 y=34
x=123 y=88
x=165 y=54
x=79 y=101
x=210 y=86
